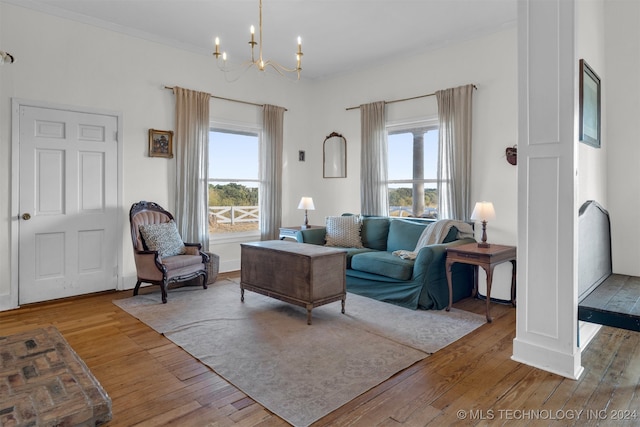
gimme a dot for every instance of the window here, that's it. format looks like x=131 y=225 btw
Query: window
x=413 y=161
x=233 y=182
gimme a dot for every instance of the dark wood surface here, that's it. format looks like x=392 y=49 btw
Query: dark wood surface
x=153 y=382
x=487 y=258
x=615 y=302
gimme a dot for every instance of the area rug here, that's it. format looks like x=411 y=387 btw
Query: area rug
x=299 y=372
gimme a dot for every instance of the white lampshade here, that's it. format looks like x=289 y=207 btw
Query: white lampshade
x=306 y=203
x=483 y=211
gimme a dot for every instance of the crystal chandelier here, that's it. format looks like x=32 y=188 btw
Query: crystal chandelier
x=259 y=62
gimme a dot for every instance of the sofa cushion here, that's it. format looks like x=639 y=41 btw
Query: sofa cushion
x=383 y=263
x=344 y=231
x=162 y=237
x=403 y=235
x=181 y=261
x=374 y=232
x=355 y=251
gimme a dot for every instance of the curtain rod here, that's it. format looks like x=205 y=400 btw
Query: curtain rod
x=404 y=99
x=229 y=99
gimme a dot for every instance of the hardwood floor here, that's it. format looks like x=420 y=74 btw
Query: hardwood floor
x=473 y=381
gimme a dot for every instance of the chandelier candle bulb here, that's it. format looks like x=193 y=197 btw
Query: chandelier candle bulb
x=217 y=52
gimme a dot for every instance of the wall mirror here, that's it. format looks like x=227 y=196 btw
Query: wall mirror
x=334 y=156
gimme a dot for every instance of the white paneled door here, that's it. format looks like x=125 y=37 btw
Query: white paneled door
x=68 y=203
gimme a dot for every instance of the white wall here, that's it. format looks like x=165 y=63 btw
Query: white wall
x=608 y=36
x=70 y=63
x=592 y=162
x=488 y=62
x=622 y=42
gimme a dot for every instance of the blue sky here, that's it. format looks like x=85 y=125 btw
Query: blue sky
x=224 y=161
x=401 y=154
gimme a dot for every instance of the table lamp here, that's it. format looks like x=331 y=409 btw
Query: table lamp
x=306 y=203
x=483 y=211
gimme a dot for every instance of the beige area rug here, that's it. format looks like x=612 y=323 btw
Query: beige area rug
x=299 y=372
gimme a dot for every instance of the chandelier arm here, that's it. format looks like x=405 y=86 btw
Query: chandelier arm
x=259 y=63
x=282 y=70
x=278 y=67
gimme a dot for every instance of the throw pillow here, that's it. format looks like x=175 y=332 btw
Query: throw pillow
x=163 y=238
x=344 y=231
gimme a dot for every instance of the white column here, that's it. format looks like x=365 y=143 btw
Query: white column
x=546 y=330
x=418 y=173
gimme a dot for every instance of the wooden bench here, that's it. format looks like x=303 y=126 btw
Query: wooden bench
x=603 y=298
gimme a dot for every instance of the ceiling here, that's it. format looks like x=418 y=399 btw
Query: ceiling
x=337 y=35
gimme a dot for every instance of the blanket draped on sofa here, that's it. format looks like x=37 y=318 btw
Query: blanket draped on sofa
x=436 y=233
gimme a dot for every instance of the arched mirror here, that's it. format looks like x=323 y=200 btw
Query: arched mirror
x=334 y=156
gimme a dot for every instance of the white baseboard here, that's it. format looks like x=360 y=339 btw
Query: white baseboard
x=548 y=359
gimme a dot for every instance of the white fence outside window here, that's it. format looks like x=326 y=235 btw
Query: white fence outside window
x=233 y=214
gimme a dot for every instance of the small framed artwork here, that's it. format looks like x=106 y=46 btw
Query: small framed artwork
x=589 y=99
x=160 y=143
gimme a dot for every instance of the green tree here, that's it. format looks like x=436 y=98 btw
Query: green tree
x=232 y=194
x=431 y=197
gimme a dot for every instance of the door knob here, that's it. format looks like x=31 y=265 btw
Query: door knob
x=26 y=216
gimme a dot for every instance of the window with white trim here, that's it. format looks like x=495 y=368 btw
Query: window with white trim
x=233 y=182
x=412 y=163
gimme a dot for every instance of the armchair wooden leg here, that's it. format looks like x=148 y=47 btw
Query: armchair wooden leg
x=137 y=288
x=164 y=286
x=205 y=277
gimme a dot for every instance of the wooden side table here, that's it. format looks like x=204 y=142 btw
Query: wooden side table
x=290 y=232
x=487 y=258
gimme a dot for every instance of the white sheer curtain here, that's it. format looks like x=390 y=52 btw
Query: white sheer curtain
x=192 y=147
x=374 y=198
x=454 y=152
x=271 y=145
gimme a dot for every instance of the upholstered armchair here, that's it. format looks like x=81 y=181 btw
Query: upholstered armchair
x=160 y=254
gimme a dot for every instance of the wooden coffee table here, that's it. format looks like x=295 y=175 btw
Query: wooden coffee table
x=298 y=273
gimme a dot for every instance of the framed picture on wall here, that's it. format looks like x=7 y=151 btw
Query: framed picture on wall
x=589 y=99
x=160 y=143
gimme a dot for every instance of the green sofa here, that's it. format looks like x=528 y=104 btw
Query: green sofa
x=374 y=271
